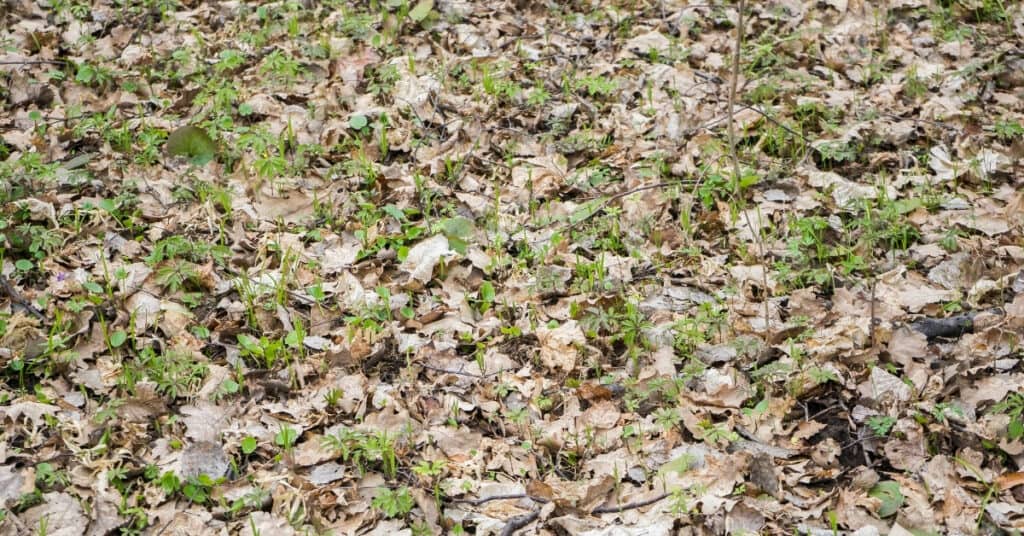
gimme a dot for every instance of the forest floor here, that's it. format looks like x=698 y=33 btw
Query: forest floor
x=585 y=268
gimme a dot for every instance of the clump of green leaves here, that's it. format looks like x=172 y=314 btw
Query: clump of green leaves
x=264 y=351
x=1013 y=407
x=1007 y=130
x=881 y=425
x=394 y=503
x=196 y=489
x=176 y=372
x=362 y=448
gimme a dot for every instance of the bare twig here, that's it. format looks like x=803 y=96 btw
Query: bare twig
x=482 y=500
x=737 y=172
x=775 y=122
x=461 y=373
x=16 y=297
x=822 y=412
x=568 y=226
x=519 y=522
x=733 y=84
x=628 y=506
x=33 y=62
x=514 y=523
x=874 y=319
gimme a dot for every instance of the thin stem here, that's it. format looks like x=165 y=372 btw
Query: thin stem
x=737 y=171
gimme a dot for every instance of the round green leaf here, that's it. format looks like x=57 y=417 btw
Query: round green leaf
x=358 y=121
x=889 y=493
x=421 y=10
x=457 y=227
x=118 y=338
x=23 y=264
x=286 y=436
x=229 y=386
x=192 y=142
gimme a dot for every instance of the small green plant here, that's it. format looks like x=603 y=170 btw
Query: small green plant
x=683 y=501
x=632 y=323
x=348 y=443
x=249 y=444
x=484 y=299
x=716 y=434
x=914 y=86
x=538 y=97
x=176 y=371
x=821 y=375
x=281 y=66
x=96 y=76
x=666 y=418
x=286 y=437
x=357 y=25
x=49 y=476
x=394 y=503
x=942 y=410
x=836 y=152
x=381 y=448
x=176 y=274
x=496 y=85
x=333 y=397
x=598 y=86
x=372 y=316
x=881 y=425
x=178 y=246
x=1007 y=130
x=195 y=489
x=265 y=352
x=381 y=79
x=361 y=448
x=1013 y=407
x=430 y=469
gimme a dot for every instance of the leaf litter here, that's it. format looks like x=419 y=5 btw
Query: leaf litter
x=458 y=267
